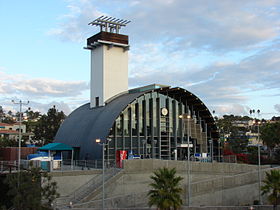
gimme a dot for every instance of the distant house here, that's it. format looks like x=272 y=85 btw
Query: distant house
x=275 y=119
x=240 y=123
x=11 y=131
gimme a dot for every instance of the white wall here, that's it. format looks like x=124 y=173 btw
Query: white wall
x=109 y=73
x=97 y=79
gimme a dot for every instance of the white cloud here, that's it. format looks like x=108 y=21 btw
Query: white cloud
x=40 y=91
x=73 y=26
x=277 y=107
x=222 y=51
x=206 y=24
x=236 y=109
x=225 y=83
x=39 y=87
x=43 y=108
x=36 y=106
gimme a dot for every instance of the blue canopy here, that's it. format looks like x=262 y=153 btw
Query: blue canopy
x=56 y=147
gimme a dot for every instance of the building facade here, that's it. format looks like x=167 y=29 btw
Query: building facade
x=154 y=121
x=145 y=121
x=11 y=131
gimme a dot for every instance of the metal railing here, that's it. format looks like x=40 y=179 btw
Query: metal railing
x=221 y=159
x=55 y=165
x=8 y=166
x=88 y=188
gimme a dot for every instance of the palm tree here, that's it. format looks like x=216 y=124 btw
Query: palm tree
x=165 y=192
x=272 y=187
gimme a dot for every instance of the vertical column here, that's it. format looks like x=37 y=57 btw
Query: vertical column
x=130 y=127
x=158 y=126
x=115 y=141
x=144 y=118
x=137 y=128
x=151 y=118
x=168 y=127
x=181 y=128
x=175 y=117
x=122 y=130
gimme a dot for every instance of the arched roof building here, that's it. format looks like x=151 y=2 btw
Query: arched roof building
x=146 y=121
x=154 y=121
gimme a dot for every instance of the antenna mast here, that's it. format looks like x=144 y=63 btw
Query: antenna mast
x=109 y=24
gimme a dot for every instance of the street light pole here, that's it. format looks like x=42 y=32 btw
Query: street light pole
x=103 y=172
x=184 y=116
x=189 y=164
x=259 y=163
x=259 y=154
x=103 y=144
x=103 y=177
x=19 y=132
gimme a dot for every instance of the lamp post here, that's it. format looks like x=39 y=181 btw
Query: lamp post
x=20 y=103
x=259 y=163
x=259 y=154
x=219 y=141
x=188 y=117
x=103 y=144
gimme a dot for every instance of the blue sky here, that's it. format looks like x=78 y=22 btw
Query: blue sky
x=226 y=52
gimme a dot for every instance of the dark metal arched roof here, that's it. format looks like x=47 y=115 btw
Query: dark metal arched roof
x=85 y=124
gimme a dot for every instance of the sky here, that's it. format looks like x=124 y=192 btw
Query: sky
x=225 y=52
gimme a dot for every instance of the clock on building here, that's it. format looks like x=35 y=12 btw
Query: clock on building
x=164 y=111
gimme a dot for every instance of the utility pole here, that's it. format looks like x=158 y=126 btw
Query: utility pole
x=20 y=103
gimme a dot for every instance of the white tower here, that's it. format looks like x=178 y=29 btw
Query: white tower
x=109 y=60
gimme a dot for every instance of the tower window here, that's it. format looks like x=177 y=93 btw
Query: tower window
x=96 y=101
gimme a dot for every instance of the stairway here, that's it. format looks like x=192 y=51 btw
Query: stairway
x=88 y=190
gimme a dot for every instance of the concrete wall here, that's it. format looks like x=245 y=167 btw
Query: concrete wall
x=69 y=181
x=212 y=184
x=149 y=165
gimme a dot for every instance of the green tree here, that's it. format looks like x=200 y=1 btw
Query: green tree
x=48 y=124
x=31 y=190
x=270 y=134
x=225 y=123
x=165 y=192
x=272 y=187
x=5 y=142
x=238 y=141
x=31 y=115
x=8 y=119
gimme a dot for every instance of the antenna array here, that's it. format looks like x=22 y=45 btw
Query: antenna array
x=113 y=24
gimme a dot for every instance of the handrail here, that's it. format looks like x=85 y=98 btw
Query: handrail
x=89 y=187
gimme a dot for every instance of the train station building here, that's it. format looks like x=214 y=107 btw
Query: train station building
x=154 y=121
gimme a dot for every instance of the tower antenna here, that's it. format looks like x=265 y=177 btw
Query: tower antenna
x=109 y=24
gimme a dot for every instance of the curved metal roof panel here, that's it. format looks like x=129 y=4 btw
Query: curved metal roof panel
x=86 y=124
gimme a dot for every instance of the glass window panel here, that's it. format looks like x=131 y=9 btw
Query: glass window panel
x=119 y=126
x=141 y=127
